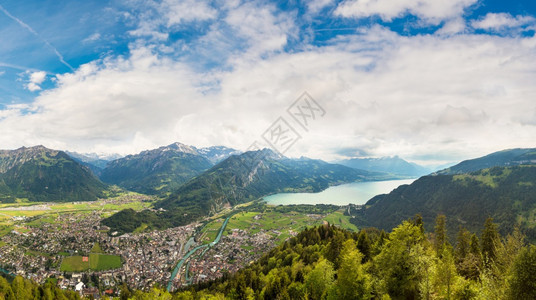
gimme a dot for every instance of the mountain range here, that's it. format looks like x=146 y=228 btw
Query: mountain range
x=158 y=171
x=254 y=174
x=238 y=179
x=394 y=165
x=193 y=183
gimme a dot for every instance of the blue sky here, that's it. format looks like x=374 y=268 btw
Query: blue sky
x=432 y=81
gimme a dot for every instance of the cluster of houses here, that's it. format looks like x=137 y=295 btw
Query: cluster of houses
x=147 y=258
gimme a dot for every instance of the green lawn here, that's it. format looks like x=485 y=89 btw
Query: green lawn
x=101 y=262
x=74 y=264
x=50 y=219
x=24 y=213
x=4 y=219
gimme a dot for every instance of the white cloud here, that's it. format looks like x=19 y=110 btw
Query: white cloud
x=431 y=11
x=179 y=11
x=315 y=6
x=425 y=97
x=94 y=37
x=262 y=26
x=501 y=21
x=452 y=26
x=156 y=18
x=36 y=78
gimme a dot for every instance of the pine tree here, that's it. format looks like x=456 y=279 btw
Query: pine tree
x=490 y=239
x=440 y=234
x=5 y=289
x=20 y=290
x=396 y=263
x=417 y=220
x=463 y=256
x=446 y=275
x=523 y=280
x=352 y=280
x=364 y=245
x=463 y=243
x=320 y=279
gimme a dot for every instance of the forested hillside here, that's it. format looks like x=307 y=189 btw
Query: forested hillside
x=24 y=289
x=508 y=194
x=41 y=174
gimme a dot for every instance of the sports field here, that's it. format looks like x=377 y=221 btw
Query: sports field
x=95 y=262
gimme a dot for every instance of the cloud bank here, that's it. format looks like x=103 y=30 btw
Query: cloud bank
x=431 y=98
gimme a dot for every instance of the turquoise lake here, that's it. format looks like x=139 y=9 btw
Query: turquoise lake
x=355 y=193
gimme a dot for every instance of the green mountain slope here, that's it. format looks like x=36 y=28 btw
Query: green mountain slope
x=158 y=171
x=510 y=157
x=42 y=174
x=508 y=194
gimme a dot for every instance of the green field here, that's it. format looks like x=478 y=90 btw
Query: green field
x=4 y=219
x=101 y=262
x=339 y=219
x=5 y=229
x=210 y=231
x=274 y=223
x=24 y=213
x=97 y=262
x=9 y=210
x=74 y=264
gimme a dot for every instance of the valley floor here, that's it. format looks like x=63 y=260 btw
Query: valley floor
x=67 y=243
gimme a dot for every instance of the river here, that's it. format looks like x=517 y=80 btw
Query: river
x=184 y=258
x=355 y=193
x=7 y=272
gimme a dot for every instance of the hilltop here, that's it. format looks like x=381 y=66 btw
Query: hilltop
x=504 y=158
